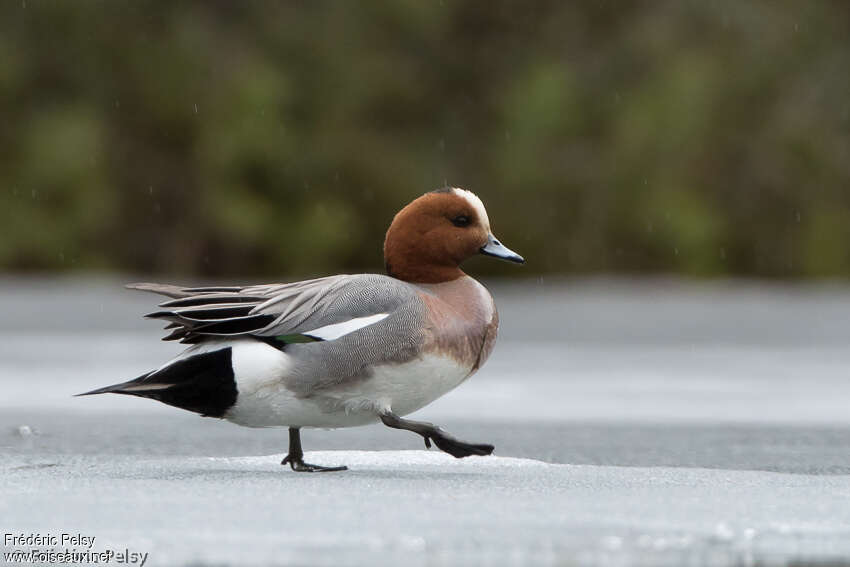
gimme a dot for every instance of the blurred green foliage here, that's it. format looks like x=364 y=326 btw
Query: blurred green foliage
x=268 y=139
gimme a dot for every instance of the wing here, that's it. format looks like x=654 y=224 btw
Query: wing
x=305 y=311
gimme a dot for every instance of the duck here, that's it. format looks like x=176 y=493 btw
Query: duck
x=343 y=350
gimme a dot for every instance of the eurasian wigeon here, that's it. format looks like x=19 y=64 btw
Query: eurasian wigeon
x=342 y=350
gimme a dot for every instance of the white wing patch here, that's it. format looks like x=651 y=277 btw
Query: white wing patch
x=337 y=330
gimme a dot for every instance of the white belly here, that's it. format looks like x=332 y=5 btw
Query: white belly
x=400 y=388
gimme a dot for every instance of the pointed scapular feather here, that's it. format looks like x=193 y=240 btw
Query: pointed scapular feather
x=167 y=290
x=215 y=313
x=180 y=333
x=295 y=339
x=202 y=300
x=167 y=316
x=235 y=326
x=220 y=289
x=189 y=317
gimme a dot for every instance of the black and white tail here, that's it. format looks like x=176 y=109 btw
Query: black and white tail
x=201 y=382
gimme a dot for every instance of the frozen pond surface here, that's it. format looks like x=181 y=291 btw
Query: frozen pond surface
x=651 y=423
x=426 y=508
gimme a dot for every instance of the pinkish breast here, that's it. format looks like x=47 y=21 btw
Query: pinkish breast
x=461 y=322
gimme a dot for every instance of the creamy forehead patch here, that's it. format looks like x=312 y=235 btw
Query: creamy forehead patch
x=476 y=203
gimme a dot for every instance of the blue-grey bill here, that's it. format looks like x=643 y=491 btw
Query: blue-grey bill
x=498 y=250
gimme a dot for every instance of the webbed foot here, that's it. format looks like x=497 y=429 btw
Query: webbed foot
x=298 y=465
x=443 y=441
x=295 y=458
x=456 y=447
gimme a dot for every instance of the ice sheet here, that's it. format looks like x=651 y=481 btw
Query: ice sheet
x=426 y=508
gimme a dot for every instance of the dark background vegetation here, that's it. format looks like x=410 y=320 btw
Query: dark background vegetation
x=269 y=139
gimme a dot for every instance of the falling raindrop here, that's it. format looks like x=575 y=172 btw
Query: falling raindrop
x=195 y=107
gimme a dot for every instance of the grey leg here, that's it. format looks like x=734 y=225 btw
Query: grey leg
x=295 y=458
x=441 y=439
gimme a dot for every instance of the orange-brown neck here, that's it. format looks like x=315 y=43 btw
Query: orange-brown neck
x=423 y=273
x=405 y=261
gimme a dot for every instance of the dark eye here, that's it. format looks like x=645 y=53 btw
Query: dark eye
x=461 y=220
